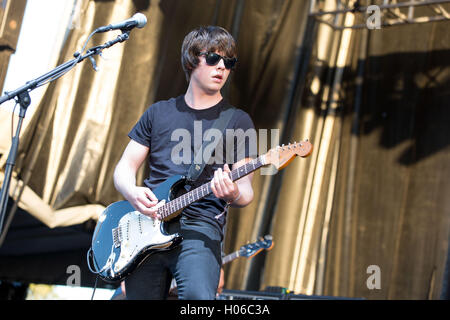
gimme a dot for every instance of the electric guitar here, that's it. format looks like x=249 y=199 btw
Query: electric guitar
x=123 y=237
x=250 y=250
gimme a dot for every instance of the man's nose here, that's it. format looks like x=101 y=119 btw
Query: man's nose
x=221 y=64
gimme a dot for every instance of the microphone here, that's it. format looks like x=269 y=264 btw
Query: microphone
x=138 y=20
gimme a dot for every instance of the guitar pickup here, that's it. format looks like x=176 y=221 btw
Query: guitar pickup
x=117 y=236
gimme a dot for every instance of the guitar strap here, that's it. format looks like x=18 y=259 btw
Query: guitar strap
x=199 y=164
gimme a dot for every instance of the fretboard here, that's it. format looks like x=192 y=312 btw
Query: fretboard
x=186 y=199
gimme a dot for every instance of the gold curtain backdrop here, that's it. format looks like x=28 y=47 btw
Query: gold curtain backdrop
x=373 y=103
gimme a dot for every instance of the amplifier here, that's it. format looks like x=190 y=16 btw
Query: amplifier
x=249 y=295
x=264 y=295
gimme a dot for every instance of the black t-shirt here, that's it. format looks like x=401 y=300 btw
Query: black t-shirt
x=173 y=131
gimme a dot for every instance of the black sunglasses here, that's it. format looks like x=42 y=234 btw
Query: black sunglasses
x=213 y=59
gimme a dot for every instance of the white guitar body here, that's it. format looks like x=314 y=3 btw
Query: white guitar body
x=137 y=233
x=134 y=236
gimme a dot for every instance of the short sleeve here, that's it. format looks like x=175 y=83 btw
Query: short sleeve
x=142 y=131
x=246 y=138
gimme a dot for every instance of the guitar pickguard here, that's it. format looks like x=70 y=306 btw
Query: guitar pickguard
x=138 y=233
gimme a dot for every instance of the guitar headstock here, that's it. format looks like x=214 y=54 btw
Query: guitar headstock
x=281 y=156
x=252 y=249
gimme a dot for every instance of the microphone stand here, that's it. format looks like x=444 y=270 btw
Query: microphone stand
x=23 y=99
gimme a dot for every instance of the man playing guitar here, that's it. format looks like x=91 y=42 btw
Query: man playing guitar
x=208 y=56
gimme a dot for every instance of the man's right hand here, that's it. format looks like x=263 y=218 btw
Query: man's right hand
x=145 y=201
x=141 y=198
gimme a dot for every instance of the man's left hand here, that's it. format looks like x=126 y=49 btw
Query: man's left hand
x=222 y=186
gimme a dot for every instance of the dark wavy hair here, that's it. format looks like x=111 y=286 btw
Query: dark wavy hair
x=205 y=39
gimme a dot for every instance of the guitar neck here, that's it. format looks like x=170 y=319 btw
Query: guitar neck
x=230 y=257
x=173 y=206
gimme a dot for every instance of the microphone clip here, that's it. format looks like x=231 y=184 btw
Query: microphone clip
x=98 y=49
x=120 y=38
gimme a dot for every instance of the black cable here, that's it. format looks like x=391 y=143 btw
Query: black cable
x=95 y=287
x=78 y=55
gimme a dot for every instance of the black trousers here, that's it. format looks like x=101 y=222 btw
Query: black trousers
x=195 y=265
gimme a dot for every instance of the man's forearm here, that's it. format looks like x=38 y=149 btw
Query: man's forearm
x=245 y=196
x=124 y=180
